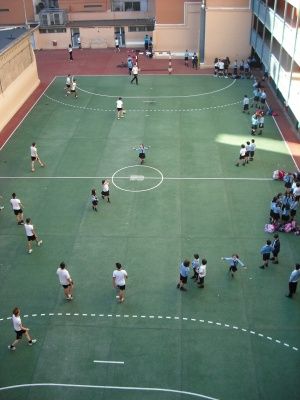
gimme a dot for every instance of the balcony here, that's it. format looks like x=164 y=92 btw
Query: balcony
x=52 y=18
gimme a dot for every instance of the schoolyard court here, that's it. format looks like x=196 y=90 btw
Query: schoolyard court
x=236 y=338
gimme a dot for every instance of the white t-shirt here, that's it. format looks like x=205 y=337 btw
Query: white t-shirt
x=202 y=271
x=73 y=86
x=28 y=229
x=119 y=104
x=117 y=42
x=120 y=276
x=33 y=151
x=16 y=204
x=16 y=322
x=135 y=70
x=68 y=80
x=63 y=276
x=105 y=187
x=242 y=152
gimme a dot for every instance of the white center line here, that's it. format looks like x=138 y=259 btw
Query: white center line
x=108 y=362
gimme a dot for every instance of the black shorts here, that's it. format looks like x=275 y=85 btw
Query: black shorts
x=31 y=238
x=183 y=279
x=19 y=334
x=66 y=286
x=252 y=154
x=33 y=158
x=266 y=256
x=242 y=157
x=256 y=98
x=246 y=107
x=121 y=287
x=275 y=253
x=285 y=218
x=142 y=155
x=73 y=91
x=17 y=212
x=263 y=101
x=106 y=194
x=119 y=109
x=254 y=127
x=233 y=268
x=261 y=126
x=186 y=58
x=68 y=86
x=293 y=213
x=247 y=154
x=95 y=202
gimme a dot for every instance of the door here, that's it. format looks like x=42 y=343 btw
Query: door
x=120 y=34
x=75 y=34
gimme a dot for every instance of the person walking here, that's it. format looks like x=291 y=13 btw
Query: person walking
x=105 y=190
x=202 y=273
x=293 y=281
x=31 y=235
x=119 y=281
x=195 y=61
x=252 y=149
x=117 y=45
x=184 y=269
x=275 y=248
x=20 y=330
x=94 y=200
x=17 y=208
x=129 y=64
x=135 y=72
x=35 y=157
x=233 y=263
x=70 y=50
x=266 y=251
x=1 y=207
x=68 y=83
x=65 y=280
x=120 y=111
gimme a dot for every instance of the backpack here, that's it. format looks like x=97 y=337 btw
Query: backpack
x=269 y=228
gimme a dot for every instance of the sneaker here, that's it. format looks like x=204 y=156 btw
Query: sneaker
x=1 y=208
x=117 y=297
x=30 y=251
x=262 y=267
x=178 y=285
x=40 y=242
x=33 y=341
x=12 y=348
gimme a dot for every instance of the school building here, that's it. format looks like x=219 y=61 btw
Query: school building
x=269 y=29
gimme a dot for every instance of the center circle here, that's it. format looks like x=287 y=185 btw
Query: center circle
x=137 y=178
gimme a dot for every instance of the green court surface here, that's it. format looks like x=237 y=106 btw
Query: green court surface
x=236 y=338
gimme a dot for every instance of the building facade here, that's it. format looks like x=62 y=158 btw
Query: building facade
x=275 y=38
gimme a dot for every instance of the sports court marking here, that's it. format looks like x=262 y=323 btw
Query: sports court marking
x=144 y=178
x=145 y=389
x=159 y=97
x=161 y=317
x=108 y=362
x=130 y=178
x=143 y=110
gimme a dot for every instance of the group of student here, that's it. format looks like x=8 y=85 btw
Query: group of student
x=247 y=152
x=194 y=58
x=284 y=206
x=104 y=194
x=70 y=86
x=242 y=69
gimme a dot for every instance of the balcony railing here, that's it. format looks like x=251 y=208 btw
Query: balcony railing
x=52 y=17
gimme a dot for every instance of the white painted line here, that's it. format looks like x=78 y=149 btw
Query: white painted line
x=295 y=348
x=108 y=362
x=183 y=178
x=25 y=116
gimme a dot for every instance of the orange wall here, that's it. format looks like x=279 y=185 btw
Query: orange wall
x=78 y=5
x=170 y=12
x=16 y=15
x=227 y=3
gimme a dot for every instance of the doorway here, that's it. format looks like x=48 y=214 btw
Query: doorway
x=120 y=34
x=75 y=35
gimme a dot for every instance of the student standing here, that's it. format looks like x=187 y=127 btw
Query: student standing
x=94 y=200
x=266 y=251
x=1 y=207
x=261 y=122
x=120 y=111
x=242 y=156
x=65 y=280
x=202 y=273
x=35 y=157
x=252 y=149
x=293 y=281
x=195 y=266
x=254 y=123
x=119 y=281
x=68 y=83
x=31 y=235
x=135 y=72
x=105 y=190
x=20 y=330
x=195 y=60
x=246 y=104
x=73 y=90
x=129 y=64
x=233 y=263
x=275 y=248
x=142 y=152
x=17 y=208
x=186 y=58
x=263 y=99
x=183 y=275
x=70 y=50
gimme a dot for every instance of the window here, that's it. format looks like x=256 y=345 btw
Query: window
x=122 y=5
x=56 y=30
x=4 y=9
x=140 y=29
x=92 y=6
